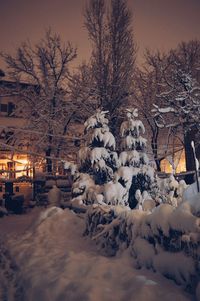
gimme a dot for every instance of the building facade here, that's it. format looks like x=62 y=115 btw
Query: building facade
x=13 y=164
x=16 y=155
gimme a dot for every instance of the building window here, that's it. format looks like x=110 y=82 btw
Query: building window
x=11 y=108
x=7 y=108
x=11 y=169
x=3 y=107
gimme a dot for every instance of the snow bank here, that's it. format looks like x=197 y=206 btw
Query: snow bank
x=3 y=211
x=194 y=202
x=190 y=191
x=56 y=263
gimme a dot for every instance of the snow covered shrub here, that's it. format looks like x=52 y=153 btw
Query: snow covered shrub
x=194 y=202
x=54 y=196
x=107 y=226
x=98 y=217
x=170 y=191
x=176 y=266
x=144 y=252
x=3 y=211
x=134 y=157
x=82 y=182
x=166 y=240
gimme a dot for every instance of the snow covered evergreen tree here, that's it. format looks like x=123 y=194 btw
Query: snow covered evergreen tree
x=134 y=156
x=105 y=178
x=98 y=163
x=99 y=157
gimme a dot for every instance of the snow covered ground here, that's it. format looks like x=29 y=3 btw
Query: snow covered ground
x=44 y=256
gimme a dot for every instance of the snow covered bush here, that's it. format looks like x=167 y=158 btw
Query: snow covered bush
x=54 y=196
x=166 y=240
x=104 y=224
x=176 y=266
x=3 y=211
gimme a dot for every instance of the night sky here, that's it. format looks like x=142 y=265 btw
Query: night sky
x=157 y=24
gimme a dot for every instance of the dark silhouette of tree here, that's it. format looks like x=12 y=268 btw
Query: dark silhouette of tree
x=113 y=53
x=145 y=88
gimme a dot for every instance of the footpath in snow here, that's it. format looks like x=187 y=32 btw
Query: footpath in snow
x=52 y=260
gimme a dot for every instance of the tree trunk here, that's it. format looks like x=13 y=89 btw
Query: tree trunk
x=188 y=138
x=189 y=158
x=48 y=160
x=154 y=146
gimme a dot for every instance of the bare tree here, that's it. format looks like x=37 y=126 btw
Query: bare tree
x=144 y=91
x=45 y=104
x=180 y=94
x=113 y=55
x=83 y=91
x=146 y=88
x=122 y=52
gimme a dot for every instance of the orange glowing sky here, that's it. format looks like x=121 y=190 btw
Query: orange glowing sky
x=157 y=24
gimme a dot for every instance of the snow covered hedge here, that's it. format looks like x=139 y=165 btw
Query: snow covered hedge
x=166 y=240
